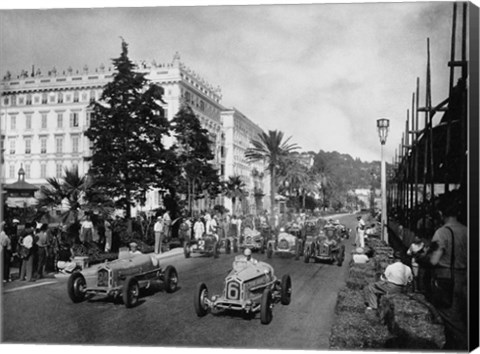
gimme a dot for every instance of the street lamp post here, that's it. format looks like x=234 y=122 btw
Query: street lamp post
x=382 y=127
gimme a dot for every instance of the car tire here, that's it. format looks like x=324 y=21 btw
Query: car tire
x=286 y=292
x=199 y=300
x=269 y=252
x=298 y=244
x=227 y=246
x=306 y=255
x=266 y=314
x=131 y=292
x=235 y=246
x=171 y=279
x=75 y=286
x=215 y=250
x=186 y=249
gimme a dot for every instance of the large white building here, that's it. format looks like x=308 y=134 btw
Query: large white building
x=44 y=116
x=239 y=132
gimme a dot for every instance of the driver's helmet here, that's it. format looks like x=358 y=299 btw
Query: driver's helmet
x=247 y=252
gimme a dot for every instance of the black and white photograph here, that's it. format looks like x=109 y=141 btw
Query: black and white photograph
x=202 y=175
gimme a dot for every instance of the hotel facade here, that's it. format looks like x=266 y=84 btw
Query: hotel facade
x=44 y=117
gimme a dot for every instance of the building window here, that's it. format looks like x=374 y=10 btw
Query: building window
x=36 y=99
x=21 y=100
x=68 y=98
x=60 y=97
x=28 y=124
x=60 y=120
x=92 y=96
x=59 y=145
x=75 y=141
x=84 y=97
x=14 y=100
x=44 y=98
x=29 y=100
x=74 y=119
x=43 y=145
x=12 y=146
x=52 y=99
x=12 y=171
x=187 y=97
x=75 y=96
x=88 y=118
x=59 y=170
x=13 y=122
x=43 y=170
x=44 y=121
x=5 y=101
x=27 y=170
x=202 y=105
x=28 y=146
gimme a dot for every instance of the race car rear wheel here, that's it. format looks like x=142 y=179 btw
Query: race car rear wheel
x=186 y=249
x=306 y=255
x=216 y=250
x=227 y=246
x=286 y=292
x=199 y=300
x=269 y=252
x=266 y=314
x=171 y=279
x=235 y=246
x=298 y=245
x=131 y=292
x=76 y=286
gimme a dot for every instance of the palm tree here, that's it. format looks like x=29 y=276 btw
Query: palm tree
x=270 y=148
x=234 y=189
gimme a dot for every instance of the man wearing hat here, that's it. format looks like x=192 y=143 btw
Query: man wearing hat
x=134 y=248
x=396 y=276
x=158 y=229
x=5 y=252
x=359 y=256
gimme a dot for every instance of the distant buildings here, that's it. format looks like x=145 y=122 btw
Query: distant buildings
x=44 y=116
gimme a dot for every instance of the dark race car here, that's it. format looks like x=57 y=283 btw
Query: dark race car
x=327 y=247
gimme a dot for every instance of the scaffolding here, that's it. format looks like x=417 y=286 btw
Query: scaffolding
x=432 y=159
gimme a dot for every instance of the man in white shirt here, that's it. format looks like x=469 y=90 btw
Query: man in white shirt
x=360 y=236
x=396 y=276
x=158 y=229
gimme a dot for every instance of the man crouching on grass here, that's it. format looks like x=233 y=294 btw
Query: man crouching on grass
x=397 y=275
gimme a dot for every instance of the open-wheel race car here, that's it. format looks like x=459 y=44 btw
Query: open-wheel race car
x=287 y=241
x=250 y=287
x=252 y=239
x=326 y=246
x=208 y=245
x=123 y=278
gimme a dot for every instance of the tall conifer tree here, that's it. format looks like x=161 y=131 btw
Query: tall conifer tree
x=126 y=132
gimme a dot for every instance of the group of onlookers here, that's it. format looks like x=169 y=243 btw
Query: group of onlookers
x=37 y=249
x=436 y=267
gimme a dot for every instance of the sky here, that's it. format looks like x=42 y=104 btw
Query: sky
x=322 y=73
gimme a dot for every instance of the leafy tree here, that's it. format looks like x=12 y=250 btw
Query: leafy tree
x=234 y=189
x=271 y=148
x=194 y=156
x=128 y=156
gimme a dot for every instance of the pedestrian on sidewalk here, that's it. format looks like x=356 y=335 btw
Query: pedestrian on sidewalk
x=42 y=250
x=26 y=245
x=394 y=280
x=86 y=230
x=416 y=251
x=5 y=252
x=108 y=236
x=158 y=230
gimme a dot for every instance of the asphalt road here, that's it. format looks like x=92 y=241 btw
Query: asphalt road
x=44 y=313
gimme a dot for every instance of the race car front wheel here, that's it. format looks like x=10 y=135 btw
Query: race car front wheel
x=266 y=307
x=131 y=291
x=199 y=300
x=171 y=279
x=75 y=286
x=286 y=292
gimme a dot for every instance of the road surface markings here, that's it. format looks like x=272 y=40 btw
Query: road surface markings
x=29 y=286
